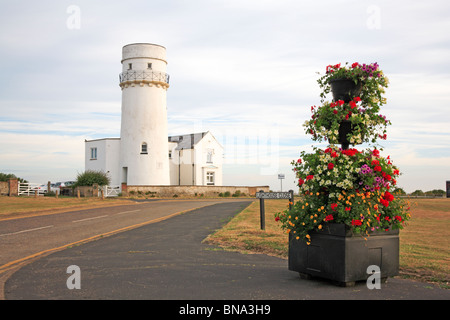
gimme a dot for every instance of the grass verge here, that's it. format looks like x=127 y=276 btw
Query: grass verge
x=12 y=207
x=424 y=242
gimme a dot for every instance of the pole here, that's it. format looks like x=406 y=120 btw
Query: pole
x=291 y=200
x=262 y=213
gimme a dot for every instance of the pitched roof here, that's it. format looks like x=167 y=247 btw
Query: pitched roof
x=187 y=141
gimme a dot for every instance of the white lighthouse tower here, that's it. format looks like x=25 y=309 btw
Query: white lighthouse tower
x=143 y=134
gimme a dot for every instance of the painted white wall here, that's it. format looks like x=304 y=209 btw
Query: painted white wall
x=144 y=119
x=208 y=143
x=107 y=157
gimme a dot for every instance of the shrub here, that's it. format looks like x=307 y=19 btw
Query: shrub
x=91 y=177
x=7 y=176
x=227 y=194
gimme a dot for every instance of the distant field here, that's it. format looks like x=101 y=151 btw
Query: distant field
x=424 y=243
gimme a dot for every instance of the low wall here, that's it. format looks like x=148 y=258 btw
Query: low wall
x=170 y=191
x=9 y=188
x=4 y=188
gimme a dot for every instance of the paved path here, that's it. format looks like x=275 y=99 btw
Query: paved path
x=167 y=260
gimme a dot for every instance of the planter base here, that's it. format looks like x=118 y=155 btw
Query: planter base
x=337 y=255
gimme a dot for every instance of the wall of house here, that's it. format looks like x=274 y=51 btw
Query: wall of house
x=201 y=160
x=107 y=157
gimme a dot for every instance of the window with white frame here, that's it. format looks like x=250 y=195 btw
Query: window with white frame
x=210 y=178
x=93 y=153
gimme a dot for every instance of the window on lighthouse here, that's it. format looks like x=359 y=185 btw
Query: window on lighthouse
x=144 y=148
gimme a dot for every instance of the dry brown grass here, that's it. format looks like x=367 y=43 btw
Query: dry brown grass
x=424 y=243
x=12 y=207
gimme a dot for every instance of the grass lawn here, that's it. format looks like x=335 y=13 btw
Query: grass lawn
x=11 y=207
x=424 y=242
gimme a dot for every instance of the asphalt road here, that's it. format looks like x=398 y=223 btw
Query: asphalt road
x=25 y=239
x=167 y=260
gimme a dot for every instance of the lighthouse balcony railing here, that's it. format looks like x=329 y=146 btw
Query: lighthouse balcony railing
x=148 y=75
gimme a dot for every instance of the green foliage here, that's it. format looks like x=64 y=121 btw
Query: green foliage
x=91 y=177
x=7 y=176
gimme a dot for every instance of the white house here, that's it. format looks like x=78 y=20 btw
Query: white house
x=194 y=159
x=144 y=154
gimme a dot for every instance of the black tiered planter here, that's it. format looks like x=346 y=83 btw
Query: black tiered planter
x=338 y=255
x=345 y=89
x=345 y=128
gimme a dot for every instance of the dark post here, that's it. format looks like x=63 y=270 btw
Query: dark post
x=262 y=213
x=291 y=199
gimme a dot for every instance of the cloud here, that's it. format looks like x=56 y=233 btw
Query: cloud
x=244 y=70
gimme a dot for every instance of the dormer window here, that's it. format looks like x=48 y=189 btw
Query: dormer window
x=149 y=65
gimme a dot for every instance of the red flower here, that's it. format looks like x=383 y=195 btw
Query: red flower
x=335 y=111
x=376 y=153
x=384 y=202
x=300 y=181
x=387 y=218
x=350 y=152
x=377 y=168
x=357 y=99
x=352 y=104
x=329 y=217
x=277 y=218
x=354 y=65
x=398 y=218
x=388 y=196
x=334 y=206
x=348 y=208
x=356 y=222
x=309 y=177
x=330 y=166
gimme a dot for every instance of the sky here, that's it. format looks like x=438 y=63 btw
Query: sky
x=244 y=70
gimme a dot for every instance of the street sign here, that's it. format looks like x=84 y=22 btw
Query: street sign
x=273 y=195
x=281 y=176
x=261 y=195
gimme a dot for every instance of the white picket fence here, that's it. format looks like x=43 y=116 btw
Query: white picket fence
x=110 y=191
x=31 y=189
